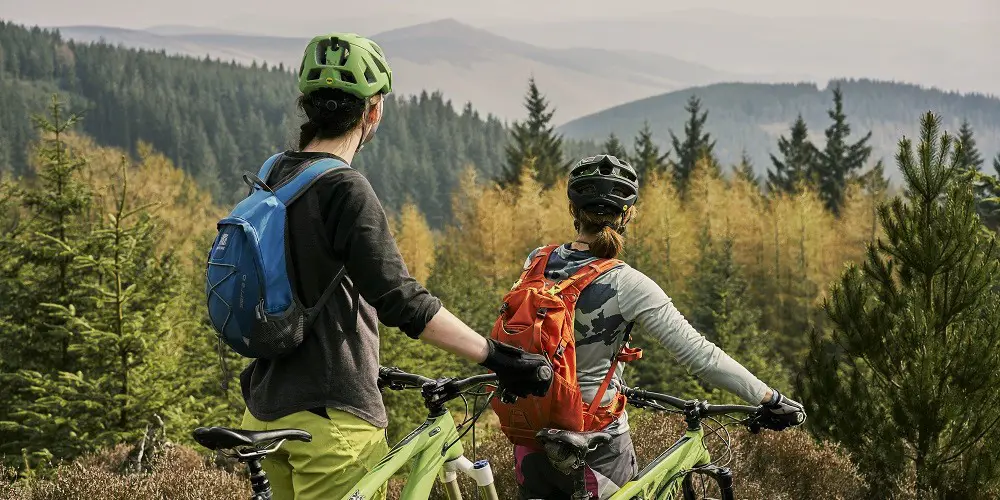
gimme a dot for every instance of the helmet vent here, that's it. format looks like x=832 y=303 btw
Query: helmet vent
x=369 y=76
x=314 y=74
x=348 y=77
x=378 y=64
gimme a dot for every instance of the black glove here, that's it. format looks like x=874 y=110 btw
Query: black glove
x=781 y=413
x=518 y=372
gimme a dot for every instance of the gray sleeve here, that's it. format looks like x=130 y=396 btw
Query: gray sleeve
x=641 y=300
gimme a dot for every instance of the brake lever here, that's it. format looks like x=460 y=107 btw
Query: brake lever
x=507 y=398
x=642 y=403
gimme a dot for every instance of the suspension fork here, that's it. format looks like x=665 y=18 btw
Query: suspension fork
x=723 y=476
x=480 y=472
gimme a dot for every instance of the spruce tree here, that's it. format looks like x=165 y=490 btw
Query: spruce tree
x=745 y=171
x=647 y=158
x=697 y=143
x=119 y=324
x=796 y=165
x=614 y=147
x=909 y=375
x=534 y=141
x=43 y=250
x=839 y=160
x=722 y=312
x=968 y=156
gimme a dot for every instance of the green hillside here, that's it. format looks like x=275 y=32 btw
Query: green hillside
x=753 y=116
x=217 y=120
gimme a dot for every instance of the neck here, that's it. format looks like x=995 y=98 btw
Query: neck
x=344 y=146
x=582 y=242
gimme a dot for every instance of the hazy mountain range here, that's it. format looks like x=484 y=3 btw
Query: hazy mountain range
x=467 y=64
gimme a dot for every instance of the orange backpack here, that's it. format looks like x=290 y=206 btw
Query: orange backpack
x=537 y=316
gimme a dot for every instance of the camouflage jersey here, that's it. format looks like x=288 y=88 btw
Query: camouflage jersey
x=624 y=295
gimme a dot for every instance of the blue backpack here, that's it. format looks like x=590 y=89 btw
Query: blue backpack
x=251 y=303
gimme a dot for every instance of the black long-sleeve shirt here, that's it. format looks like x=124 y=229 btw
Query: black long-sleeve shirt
x=338 y=221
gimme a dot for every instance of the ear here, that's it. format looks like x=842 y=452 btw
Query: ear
x=375 y=111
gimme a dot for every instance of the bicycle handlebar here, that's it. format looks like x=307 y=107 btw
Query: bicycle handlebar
x=438 y=391
x=704 y=409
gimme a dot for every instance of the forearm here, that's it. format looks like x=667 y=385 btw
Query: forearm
x=447 y=332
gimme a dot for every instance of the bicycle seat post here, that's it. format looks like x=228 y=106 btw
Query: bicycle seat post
x=258 y=480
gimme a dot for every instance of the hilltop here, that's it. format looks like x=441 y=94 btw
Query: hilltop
x=754 y=115
x=466 y=63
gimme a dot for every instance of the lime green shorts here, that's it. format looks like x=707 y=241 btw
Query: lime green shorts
x=343 y=449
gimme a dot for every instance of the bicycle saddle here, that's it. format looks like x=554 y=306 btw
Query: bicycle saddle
x=220 y=438
x=581 y=442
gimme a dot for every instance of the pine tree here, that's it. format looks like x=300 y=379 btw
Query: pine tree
x=535 y=141
x=968 y=156
x=614 y=147
x=647 y=158
x=797 y=163
x=887 y=384
x=839 y=160
x=697 y=144
x=987 y=192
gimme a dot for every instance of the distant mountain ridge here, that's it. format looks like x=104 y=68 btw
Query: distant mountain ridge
x=752 y=116
x=467 y=64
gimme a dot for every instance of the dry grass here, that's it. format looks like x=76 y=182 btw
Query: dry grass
x=181 y=474
x=771 y=466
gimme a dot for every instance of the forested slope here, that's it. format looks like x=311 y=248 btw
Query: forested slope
x=752 y=116
x=216 y=120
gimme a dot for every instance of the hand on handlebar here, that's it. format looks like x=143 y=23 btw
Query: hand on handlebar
x=781 y=413
x=519 y=373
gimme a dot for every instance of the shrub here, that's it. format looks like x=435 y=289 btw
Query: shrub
x=180 y=474
x=771 y=466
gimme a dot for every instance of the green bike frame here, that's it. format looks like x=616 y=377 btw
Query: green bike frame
x=425 y=446
x=662 y=479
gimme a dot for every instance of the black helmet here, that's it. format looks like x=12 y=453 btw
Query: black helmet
x=603 y=184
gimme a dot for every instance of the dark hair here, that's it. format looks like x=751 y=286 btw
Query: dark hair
x=609 y=230
x=329 y=113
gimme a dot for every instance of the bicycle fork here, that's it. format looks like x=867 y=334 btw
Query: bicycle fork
x=479 y=471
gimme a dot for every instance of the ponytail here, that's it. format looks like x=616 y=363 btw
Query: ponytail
x=608 y=230
x=609 y=243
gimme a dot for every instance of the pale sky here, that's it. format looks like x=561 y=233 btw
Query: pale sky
x=284 y=18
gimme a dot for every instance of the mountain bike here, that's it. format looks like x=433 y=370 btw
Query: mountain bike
x=434 y=447
x=685 y=467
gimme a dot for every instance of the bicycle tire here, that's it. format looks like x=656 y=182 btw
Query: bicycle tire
x=721 y=477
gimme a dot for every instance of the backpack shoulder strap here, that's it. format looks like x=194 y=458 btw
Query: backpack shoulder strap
x=538 y=263
x=294 y=188
x=265 y=169
x=585 y=275
x=624 y=354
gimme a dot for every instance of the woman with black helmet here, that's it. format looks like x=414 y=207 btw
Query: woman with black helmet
x=603 y=191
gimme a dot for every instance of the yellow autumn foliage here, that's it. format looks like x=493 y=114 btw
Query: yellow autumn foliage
x=415 y=241
x=788 y=246
x=186 y=211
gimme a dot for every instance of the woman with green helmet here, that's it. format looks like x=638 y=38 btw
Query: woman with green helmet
x=328 y=385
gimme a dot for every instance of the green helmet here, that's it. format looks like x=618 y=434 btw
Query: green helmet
x=345 y=61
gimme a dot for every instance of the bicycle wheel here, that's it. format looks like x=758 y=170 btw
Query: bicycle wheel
x=708 y=483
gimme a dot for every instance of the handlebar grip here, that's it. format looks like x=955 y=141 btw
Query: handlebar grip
x=544 y=373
